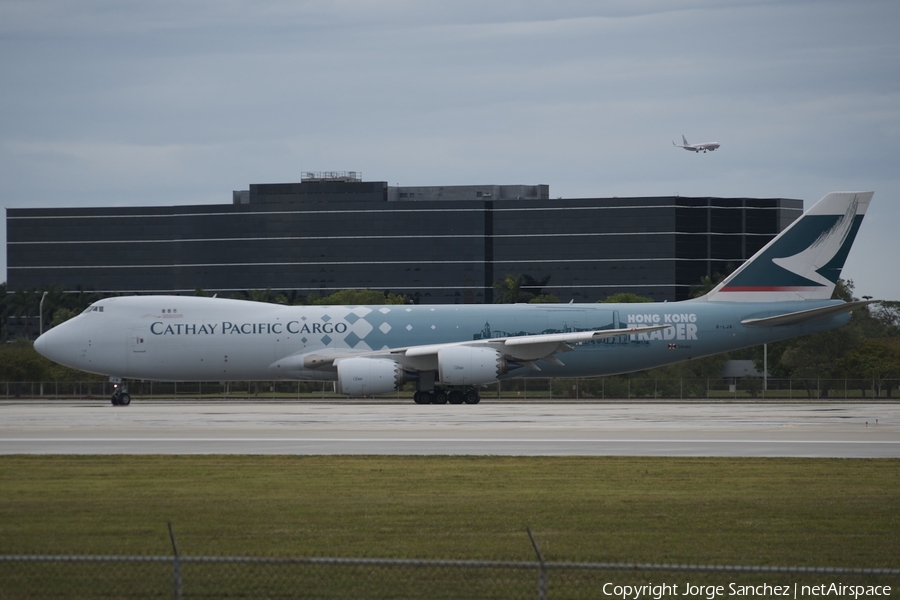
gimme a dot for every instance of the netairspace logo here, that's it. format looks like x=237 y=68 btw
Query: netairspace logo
x=734 y=590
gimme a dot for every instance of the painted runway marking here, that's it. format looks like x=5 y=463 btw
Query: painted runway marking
x=447 y=440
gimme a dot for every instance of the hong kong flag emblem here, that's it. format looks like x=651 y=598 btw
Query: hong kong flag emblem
x=672 y=346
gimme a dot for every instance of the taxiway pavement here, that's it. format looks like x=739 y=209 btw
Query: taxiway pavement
x=847 y=430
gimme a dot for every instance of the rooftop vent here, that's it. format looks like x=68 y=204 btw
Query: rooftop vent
x=346 y=176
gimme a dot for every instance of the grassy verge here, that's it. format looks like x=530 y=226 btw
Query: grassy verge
x=682 y=510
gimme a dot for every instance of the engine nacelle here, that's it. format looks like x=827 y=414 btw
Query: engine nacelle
x=468 y=365
x=368 y=376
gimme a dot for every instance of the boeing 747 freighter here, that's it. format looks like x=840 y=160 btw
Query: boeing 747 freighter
x=449 y=351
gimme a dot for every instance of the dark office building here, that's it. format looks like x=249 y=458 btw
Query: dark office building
x=434 y=244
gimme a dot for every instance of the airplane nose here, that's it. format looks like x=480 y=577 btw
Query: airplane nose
x=59 y=344
x=44 y=344
x=40 y=344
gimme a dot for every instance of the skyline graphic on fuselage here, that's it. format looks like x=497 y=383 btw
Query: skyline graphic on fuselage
x=487 y=333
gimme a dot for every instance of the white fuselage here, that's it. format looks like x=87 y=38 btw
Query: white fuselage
x=180 y=338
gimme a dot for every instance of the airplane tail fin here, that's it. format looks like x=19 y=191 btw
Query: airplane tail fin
x=684 y=140
x=805 y=260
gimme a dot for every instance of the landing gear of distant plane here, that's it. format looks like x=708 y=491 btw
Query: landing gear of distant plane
x=121 y=397
x=468 y=395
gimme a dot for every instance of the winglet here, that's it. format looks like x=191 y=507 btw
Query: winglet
x=805 y=260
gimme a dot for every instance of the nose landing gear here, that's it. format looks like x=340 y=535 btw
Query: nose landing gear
x=120 y=396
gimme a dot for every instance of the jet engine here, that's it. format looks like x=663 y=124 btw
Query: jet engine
x=368 y=376
x=468 y=365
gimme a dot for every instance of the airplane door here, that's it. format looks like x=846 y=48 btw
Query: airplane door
x=137 y=341
x=136 y=356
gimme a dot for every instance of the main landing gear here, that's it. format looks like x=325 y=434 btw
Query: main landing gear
x=468 y=395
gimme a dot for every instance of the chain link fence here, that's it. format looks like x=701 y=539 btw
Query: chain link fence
x=179 y=577
x=185 y=577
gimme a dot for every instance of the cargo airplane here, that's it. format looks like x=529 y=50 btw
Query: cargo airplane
x=449 y=351
x=711 y=146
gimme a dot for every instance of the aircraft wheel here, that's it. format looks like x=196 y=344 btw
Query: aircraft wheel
x=114 y=399
x=422 y=398
x=124 y=400
x=439 y=397
x=456 y=397
x=472 y=397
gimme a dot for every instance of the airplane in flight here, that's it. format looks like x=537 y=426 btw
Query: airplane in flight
x=711 y=146
x=449 y=351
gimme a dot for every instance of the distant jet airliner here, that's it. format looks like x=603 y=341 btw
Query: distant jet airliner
x=448 y=351
x=711 y=146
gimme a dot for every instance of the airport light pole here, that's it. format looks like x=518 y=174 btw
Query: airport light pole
x=41 y=310
x=41 y=327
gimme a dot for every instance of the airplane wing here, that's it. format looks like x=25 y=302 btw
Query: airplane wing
x=530 y=347
x=523 y=349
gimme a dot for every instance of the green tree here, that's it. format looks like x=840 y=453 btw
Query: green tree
x=817 y=359
x=708 y=282
x=887 y=317
x=20 y=362
x=626 y=298
x=877 y=360
x=534 y=286
x=24 y=306
x=61 y=315
x=358 y=297
x=258 y=295
x=544 y=299
x=843 y=290
x=509 y=290
x=515 y=289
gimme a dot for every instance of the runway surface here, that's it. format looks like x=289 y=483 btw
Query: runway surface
x=637 y=429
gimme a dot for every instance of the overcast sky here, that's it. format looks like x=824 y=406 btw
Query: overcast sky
x=115 y=103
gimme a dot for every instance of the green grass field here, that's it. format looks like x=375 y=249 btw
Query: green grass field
x=675 y=510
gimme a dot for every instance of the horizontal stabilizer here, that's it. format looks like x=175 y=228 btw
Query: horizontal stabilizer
x=802 y=316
